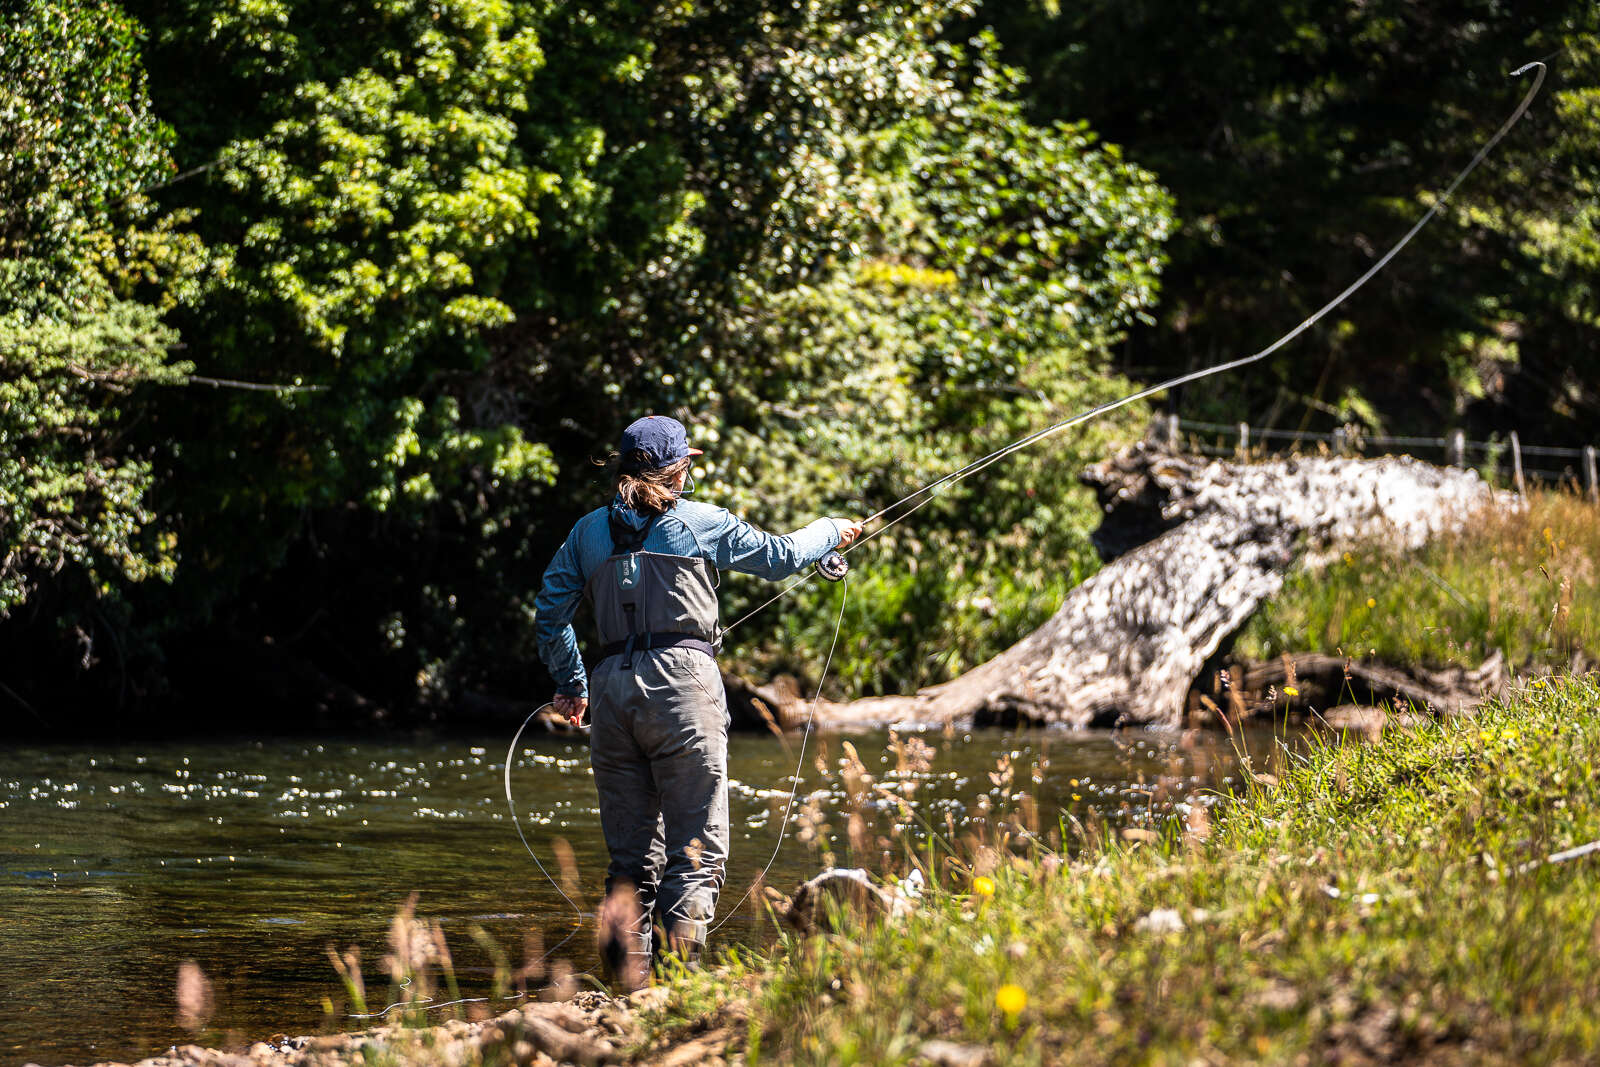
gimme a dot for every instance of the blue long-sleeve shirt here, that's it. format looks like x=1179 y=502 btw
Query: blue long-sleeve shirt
x=690 y=528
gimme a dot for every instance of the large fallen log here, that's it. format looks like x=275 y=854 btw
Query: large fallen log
x=1126 y=645
x=1334 y=502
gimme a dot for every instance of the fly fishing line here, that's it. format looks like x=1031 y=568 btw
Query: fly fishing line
x=794 y=789
x=511 y=756
x=1305 y=324
x=891 y=515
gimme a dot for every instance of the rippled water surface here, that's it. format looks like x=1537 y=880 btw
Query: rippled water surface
x=250 y=858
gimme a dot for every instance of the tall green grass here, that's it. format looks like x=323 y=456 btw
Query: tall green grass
x=1361 y=903
x=1524 y=582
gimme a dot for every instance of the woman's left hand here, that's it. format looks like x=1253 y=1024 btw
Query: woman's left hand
x=571 y=707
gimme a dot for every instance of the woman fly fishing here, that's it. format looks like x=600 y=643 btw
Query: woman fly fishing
x=658 y=740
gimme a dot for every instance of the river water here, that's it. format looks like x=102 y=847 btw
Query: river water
x=251 y=857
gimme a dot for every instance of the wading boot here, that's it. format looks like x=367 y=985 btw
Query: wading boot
x=624 y=951
x=686 y=950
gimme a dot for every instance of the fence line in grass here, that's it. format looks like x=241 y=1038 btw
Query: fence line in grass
x=1185 y=433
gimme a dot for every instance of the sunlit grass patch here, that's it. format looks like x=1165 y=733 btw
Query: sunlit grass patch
x=1524 y=582
x=1380 y=902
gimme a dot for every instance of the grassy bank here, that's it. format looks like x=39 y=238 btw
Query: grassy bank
x=1368 y=902
x=1524 y=582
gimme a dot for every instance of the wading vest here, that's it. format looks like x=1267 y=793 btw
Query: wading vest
x=644 y=600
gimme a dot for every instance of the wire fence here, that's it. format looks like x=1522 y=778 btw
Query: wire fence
x=1500 y=460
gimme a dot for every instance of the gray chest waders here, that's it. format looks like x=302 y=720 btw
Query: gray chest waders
x=644 y=600
x=658 y=742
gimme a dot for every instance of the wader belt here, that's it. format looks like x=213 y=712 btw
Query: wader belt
x=644 y=642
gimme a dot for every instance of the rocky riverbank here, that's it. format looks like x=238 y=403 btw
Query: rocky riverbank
x=589 y=1029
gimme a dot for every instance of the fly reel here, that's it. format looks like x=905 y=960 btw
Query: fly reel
x=833 y=566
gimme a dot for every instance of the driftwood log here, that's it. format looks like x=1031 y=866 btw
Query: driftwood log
x=1126 y=645
x=1324 y=681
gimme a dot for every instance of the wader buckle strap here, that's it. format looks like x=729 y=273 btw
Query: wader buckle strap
x=645 y=642
x=633 y=636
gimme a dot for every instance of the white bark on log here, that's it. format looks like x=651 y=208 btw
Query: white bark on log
x=1126 y=645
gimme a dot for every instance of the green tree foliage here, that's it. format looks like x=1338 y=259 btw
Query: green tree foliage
x=71 y=494
x=457 y=243
x=1001 y=261
x=462 y=242
x=363 y=175
x=364 y=215
x=487 y=234
x=77 y=143
x=1300 y=141
x=77 y=137
x=1566 y=245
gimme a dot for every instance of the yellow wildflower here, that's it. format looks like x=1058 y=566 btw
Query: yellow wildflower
x=1011 y=999
x=1290 y=691
x=1371 y=603
x=983 y=886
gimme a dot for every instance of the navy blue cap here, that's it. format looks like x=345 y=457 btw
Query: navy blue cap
x=663 y=440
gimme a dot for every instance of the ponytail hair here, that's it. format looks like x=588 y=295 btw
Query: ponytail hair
x=648 y=490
